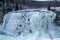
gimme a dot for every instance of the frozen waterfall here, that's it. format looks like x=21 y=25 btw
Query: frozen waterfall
x=28 y=22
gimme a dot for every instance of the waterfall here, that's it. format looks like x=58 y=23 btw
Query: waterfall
x=26 y=22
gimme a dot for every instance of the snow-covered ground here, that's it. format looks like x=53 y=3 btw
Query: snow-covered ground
x=56 y=8
x=29 y=25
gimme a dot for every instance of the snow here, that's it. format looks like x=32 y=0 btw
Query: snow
x=56 y=8
x=29 y=25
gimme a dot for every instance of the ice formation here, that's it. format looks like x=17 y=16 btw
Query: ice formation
x=35 y=25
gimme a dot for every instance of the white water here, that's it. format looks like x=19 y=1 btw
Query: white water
x=29 y=25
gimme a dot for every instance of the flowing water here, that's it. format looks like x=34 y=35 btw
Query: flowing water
x=30 y=22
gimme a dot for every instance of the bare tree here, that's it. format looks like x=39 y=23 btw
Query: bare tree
x=55 y=3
